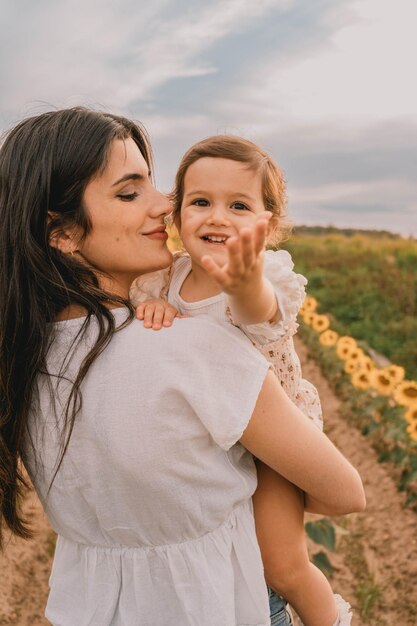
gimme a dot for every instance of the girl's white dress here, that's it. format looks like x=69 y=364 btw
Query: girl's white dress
x=273 y=340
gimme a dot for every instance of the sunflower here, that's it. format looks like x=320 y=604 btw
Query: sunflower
x=346 y=340
x=366 y=363
x=308 y=317
x=309 y=304
x=356 y=354
x=381 y=382
x=343 y=350
x=360 y=379
x=351 y=365
x=396 y=372
x=328 y=338
x=320 y=323
x=406 y=393
x=411 y=414
x=412 y=431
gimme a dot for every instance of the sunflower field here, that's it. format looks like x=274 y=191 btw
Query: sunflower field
x=367 y=280
x=369 y=353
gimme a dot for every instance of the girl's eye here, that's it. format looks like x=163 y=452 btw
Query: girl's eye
x=240 y=206
x=128 y=197
x=200 y=202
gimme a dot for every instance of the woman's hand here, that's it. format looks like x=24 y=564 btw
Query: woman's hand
x=156 y=314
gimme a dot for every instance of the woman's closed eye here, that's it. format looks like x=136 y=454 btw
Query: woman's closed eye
x=127 y=197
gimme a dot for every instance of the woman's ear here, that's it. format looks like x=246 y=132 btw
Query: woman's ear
x=64 y=240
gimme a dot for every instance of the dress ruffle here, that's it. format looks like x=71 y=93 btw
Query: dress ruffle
x=290 y=292
x=345 y=613
x=150 y=286
x=123 y=585
x=344 y=617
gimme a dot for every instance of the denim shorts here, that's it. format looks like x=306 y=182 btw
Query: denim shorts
x=280 y=615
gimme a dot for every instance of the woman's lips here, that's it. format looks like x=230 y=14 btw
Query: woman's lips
x=159 y=234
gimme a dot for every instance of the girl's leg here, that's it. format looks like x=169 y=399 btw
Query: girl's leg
x=279 y=519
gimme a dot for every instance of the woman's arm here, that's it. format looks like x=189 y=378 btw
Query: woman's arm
x=281 y=436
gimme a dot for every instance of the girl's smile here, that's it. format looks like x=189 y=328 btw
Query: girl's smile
x=221 y=197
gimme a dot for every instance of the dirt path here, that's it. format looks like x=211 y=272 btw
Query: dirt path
x=377 y=550
x=375 y=566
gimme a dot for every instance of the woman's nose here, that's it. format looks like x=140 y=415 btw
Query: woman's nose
x=161 y=205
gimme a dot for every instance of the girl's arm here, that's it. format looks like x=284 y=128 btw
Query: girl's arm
x=251 y=297
x=279 y=435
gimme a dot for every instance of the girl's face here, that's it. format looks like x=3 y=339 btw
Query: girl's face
x=221 y=197
x=127 y=213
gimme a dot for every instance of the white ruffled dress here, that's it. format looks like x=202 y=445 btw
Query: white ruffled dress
x=273 y=340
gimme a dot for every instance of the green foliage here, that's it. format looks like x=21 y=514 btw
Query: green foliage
x=322 y=532
x=367 y=282
x=321 y=561
x=376 y=416
x=367 y=594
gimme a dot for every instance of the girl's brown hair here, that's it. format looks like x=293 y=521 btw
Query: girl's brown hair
x=244 y=151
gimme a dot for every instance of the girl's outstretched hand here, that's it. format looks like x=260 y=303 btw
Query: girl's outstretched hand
x=244 y=267
x=156 y=314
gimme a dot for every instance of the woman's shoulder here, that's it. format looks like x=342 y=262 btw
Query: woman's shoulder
x=200 y=335
x=72 y=312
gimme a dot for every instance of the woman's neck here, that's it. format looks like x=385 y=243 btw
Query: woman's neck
x=108 y=284
x=198 y=285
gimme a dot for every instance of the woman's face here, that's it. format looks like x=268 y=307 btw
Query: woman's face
x=127 y=213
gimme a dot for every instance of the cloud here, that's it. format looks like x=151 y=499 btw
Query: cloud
x=359 y=75
x=326 y=87
x=389 y=204
x=118 y=55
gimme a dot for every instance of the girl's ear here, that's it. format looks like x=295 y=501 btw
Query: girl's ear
x=64 y=240
x=272 y=228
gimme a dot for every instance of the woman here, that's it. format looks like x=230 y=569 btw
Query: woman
x=130 y=437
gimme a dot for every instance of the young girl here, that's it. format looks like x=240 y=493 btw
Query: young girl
x=229 y=198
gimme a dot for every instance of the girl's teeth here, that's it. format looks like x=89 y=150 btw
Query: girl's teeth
x=216 y=239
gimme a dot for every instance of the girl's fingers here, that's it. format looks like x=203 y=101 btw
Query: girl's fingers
x=235 y=263
x=260 y=234
x=158 y=317
x=148 y=313
x=214 y=270
x=248 y=247
x=139 y=311
x=170 y=314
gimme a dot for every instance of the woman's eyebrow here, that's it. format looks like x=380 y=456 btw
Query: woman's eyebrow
x=133 y=176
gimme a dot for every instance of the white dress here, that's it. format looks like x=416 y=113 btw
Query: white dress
x=274 y=341
x=152 y=503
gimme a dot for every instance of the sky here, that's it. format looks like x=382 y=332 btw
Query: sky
x=327 y=87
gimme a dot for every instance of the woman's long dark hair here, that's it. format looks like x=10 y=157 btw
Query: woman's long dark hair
x=45 y=164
